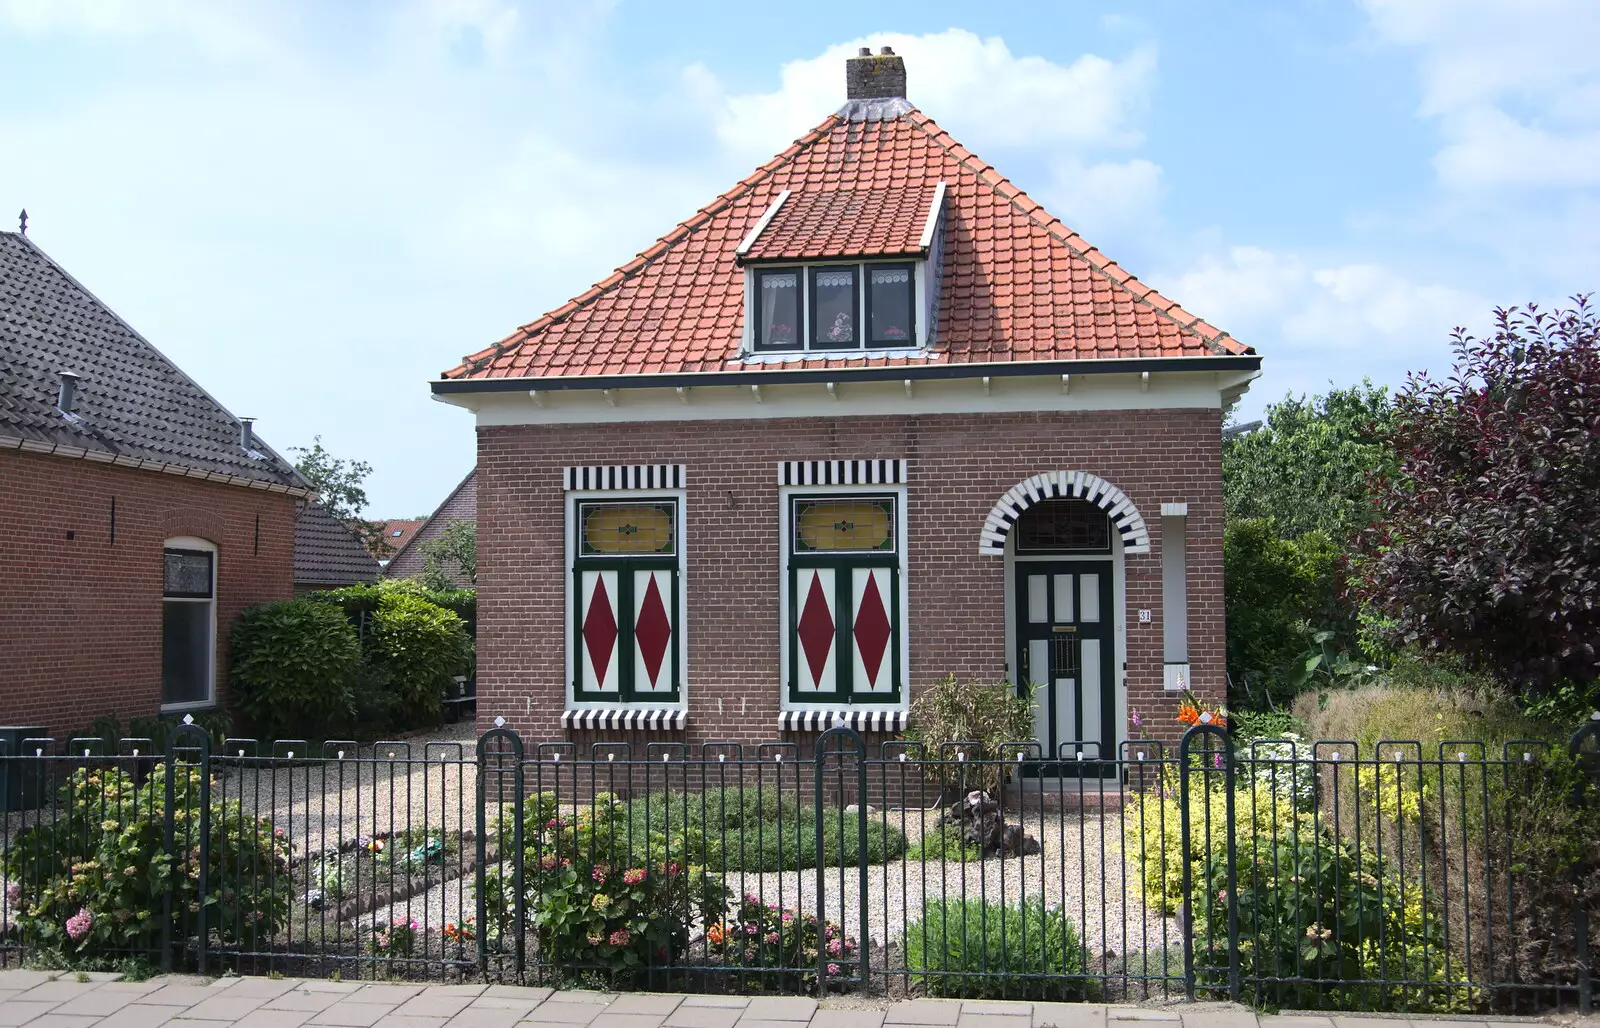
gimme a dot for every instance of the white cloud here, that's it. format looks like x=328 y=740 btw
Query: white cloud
x=1513 y=84
x=1107 y=197
x=975 y=87
x=1314 y=323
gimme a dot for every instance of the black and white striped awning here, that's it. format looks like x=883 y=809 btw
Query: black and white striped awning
x=860 y=720
x=842 y=472
x=625 y=720
x=625 y=476
x=1076 y=485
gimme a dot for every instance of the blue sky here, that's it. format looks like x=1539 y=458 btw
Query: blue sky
x=315 y=207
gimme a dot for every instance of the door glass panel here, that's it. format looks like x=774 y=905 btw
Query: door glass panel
x=1038 y=600
x=1038 y=672
x=1091 y=691
x=1063 y=599
x=1064 y=674
x=1089 y=608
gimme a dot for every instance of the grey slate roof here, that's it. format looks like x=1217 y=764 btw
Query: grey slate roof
x=326 y=553
x=132 y=403
x=460 y=505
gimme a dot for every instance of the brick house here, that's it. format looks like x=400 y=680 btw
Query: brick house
x=869 y=418
x=461 y=505
x=137 y=516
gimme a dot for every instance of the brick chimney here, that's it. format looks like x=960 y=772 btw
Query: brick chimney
x=868 y=77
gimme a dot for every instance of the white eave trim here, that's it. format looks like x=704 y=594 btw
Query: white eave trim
x=140 y=464
x=761 y=226
x=931 y=223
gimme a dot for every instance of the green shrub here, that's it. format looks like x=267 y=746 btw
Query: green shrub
x=1278 y=592
x=787 y=942
x=1328 y=918
x=1261 y=812
x=598 y=898
x=945 y=843
x=92 y=883
x=293 y=662
x=975 y=949
x=990 y=714
x=359 y=602
x=415 y=647
x=1524 y=823
x=759 y=829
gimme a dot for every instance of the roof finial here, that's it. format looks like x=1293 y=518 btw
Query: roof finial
x=22 y=221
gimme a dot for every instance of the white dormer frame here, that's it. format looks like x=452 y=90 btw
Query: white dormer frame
x=923 y=298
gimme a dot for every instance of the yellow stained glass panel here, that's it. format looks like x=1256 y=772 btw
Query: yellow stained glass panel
x=844 y=525
x=627 y=528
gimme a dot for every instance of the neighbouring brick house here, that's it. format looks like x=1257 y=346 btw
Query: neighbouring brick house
x=869 y=418
x=137 y=516
x=461 y=505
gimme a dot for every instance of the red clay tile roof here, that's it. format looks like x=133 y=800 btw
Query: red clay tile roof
x=1018 y=285
x=845 y=223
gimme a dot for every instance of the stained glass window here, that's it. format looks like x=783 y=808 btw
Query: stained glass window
x=1063 y=526
x=844 y=525
x=627 y=528
x=188 y=574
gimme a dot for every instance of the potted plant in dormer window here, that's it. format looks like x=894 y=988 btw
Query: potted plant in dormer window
x=894 y=332
x=779 y=333
x=841 y=332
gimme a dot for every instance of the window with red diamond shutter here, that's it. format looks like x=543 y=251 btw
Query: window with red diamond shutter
x=844 y=600
x=625 y=594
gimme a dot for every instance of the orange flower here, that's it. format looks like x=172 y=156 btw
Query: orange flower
x=1188 y=713
x=714 y=934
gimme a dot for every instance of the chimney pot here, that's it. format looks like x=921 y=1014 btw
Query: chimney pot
x=69 y=391
x=887 y=51
x=875 y=77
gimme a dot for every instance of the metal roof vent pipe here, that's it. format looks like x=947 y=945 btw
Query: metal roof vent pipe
x=69 y=391
x=247 y=434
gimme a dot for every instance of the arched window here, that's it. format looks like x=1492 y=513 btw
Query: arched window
x=1063 y=526
x=188 y=623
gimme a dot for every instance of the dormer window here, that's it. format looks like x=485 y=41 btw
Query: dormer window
x=844 y=270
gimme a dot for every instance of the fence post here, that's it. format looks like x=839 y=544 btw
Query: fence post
x=500 y=732
x=1580 y=915
x=857 y=749
x=1195 y=733
x=189 y=736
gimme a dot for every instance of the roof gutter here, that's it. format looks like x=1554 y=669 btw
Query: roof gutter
x=811 y=376
x=119 y=460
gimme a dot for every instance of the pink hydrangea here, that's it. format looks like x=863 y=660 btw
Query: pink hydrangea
x=772 y=938
x=621 y=937
x=833 y=968
x=633 y=876
x=14 y=892
x=548 y=862
x=78 y=924
x=598 y=874
x=836 y=947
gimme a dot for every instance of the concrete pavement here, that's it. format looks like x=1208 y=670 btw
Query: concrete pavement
x=41 y=999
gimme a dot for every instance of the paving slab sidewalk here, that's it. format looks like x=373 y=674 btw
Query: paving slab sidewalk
x=37 y=999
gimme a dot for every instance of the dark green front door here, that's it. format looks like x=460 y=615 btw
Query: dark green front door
x=1066 y=650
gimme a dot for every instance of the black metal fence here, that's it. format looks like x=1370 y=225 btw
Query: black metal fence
x=1282 y=873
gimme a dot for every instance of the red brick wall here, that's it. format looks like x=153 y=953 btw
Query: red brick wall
x=960 y=465
x=80 y=617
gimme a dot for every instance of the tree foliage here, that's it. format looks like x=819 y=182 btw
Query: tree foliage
x=1279 y=594
x=340 y=485
x=1306 y=469
x=451 y=558
x=1488 y=541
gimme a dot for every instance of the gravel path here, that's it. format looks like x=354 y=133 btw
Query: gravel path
x=1079 y=868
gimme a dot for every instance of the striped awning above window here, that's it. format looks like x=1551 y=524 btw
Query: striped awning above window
x=625 y=476
x=625 y=720
x=860 y=720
